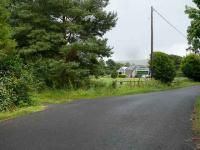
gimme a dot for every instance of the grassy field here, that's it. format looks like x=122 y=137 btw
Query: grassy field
x=101 y=87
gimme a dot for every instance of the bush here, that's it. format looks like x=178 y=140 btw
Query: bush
x=191 y=67
x=114 y=75
x=33 y=83
x=123 y=76
x=6 y=102
x=163 y=67
x=41 y=70
x=68 y=75
x=114 y=84
x=13 y=88
x=59 y=74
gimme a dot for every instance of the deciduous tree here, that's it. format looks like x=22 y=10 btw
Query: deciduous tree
x=194 y=28
x=6 y=44
x=191 y=67
x=163 y=67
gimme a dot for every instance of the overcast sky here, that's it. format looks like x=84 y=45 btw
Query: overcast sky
x=131 y=37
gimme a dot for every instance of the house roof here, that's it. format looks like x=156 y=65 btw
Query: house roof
x=122 y=69
x=131 y=68
x=137 y=67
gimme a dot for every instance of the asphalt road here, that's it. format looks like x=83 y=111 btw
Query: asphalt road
x=154 y=121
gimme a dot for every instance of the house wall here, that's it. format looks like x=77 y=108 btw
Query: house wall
x=129 y=73
x=121 y=71
x=134 y=74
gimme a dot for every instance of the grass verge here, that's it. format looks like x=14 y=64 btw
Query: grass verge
x=63 y=96
x=196 y=123
x=102 y=87
x=197 y=115
x=20 y=112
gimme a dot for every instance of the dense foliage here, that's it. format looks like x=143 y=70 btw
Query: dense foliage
x=62 y=40
x=112 y=66
x=176 y=60
x=194 y=28
x=6 y=44
x=191 y=67
x=13 y=84
x=13 y=89
x=49 y=43
x=122 y=75
x=163 y=67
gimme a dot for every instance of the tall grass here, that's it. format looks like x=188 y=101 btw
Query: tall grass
x=196 y=122
x=98 y=88
x=108 y=87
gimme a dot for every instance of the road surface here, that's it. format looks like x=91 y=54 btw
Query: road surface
x=154 y=121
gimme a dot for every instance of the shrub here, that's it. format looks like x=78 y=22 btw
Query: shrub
x=33 y=83
x=6 y=102
x=114 y=84
x=163 y=67
x=191 y=67
x=41 y=70
x=176 y=60
x=123 y=76
x=68 y=75
x=58 y=74
x=114 y=75
x=13 y=89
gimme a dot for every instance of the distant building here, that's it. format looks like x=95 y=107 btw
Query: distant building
x=122 y=70
x=131 y=71
x=142 y=70
x=135 y=71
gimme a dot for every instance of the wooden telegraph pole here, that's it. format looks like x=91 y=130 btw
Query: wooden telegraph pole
x=152 y=41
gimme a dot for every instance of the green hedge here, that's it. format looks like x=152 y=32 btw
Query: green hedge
x=122 y=76
x=114 y=75
x=191 y=67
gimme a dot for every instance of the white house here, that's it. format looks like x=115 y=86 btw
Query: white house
x=122 y=70
x=134 y=71
x=131 y=71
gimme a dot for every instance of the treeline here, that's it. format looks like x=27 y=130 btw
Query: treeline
x=60 y=44
x=167 y=67
x=50 y=43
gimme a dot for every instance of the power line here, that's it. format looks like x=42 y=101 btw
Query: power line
x=169 y=23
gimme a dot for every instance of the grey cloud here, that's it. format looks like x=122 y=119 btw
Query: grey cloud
x=131 y=37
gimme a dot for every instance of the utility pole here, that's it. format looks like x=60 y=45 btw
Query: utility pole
x=152 y=41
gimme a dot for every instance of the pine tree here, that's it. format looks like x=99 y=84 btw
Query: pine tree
x=67 y=31
x=13 y=89
x=6 y=44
